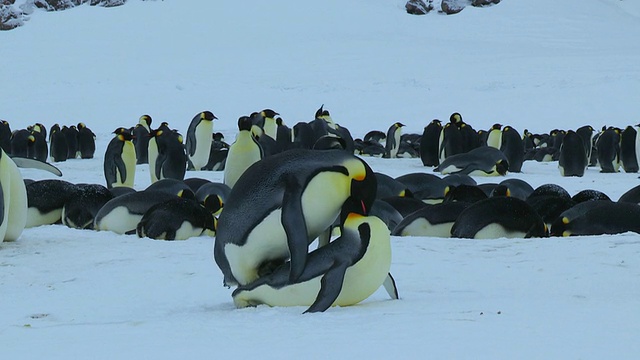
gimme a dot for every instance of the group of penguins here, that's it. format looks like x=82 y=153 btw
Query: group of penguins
x=285 y=188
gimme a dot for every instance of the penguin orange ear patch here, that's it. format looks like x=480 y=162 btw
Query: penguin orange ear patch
x=565 y=220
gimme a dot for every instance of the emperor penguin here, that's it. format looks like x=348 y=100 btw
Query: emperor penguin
x=341 y=273
x=586 y=133
x=141 y=139
x=152 y=150
x=37 y=148
x=242 y=153
x=171 y=162
x=20 y=143
x=449 y=142
x=513 y=148
x=13 y=200
x=71 y=134
x=86 y=142
x=429 y=143
x=628 y=155
x=281 y=204
x=392 y=144
x=5 y=136
x=120 y=160
x=198 y=142
x=58 y=143
x=573 y=157
x=608 y=149
x=270 y=128
x=494 y=138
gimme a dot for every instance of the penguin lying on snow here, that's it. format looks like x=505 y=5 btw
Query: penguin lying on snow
x=176 y=219
x=344 y=272
x=481 y=161
x=281 y=204
x=597 y=217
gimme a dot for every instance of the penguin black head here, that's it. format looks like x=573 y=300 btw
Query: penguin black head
x=352 y=207
x=244 y=123
x=147 y=119
x=364 y=188
x=496 y=126
x=321 y=112
x=455 y=118
x=268 y=113
x=81 y=125
x=207 y=115
x=398 y=124
x=502 y=167
x=279 y=121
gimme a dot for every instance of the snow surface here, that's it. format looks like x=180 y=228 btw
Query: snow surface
x=531 y=64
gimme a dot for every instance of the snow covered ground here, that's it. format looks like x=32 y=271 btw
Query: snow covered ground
x=530 y=64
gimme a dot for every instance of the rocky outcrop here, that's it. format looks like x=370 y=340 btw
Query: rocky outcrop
x=10 y=17
x=418 y=7
x=479 y=3
x=107 y=3
x=450 y=7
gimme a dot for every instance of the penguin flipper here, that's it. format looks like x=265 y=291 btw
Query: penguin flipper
x=330 y=287
x=23 y=162
x=295 y=228
x=122 y=169
x=159 y=163
x=390 y=285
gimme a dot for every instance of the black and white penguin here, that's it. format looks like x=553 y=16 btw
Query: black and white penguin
x=281 y=204
x=429 y=188
x=123 y=213
x=141 y=137
x=586 y=133
x=517 y=188
x=608 y=150
x=392 y=144
x=45 y=200
x=342 y=273
x=499 y=217
x=213 y=196
x=597 y=218
x=270 y=127
x=632 y=195
x=5 y=136
x=628 y=155
x=81 y=209
x=120 y=160
x=71 y=133
x=494 y=136
x=433 y=220
x=513 y=148
x=218 y=154
x=429 y=143
x=86 y=142
x=375 y=136
x=20 y=143
x=59 y=150
x=176 y=219
x=284 y=135
x=244 y=152
x=37 y=148
x=171 y=161
x=573 y=159
x=468 y=136
x=481 y=161
x=152 y=151
x=449 y=142
x=198 y=142
x=13 y=200
x=173 y=187
x=388 y=186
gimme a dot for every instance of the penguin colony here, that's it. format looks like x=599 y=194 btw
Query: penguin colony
x=285 y=187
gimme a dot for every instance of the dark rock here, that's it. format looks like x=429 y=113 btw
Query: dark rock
x=57 y=5
x=453 y=6
x=478 y=3
x=107 y=3
x=418 y=7
x=10 y=18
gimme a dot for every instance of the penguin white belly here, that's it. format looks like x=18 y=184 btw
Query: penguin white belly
x=494 y=139
x=152 y=153
x=187 y=230
x=203 y=144
x=36 y=218
x=242 y=154
x=322 y=199
x=270 y=127
x=129 y=157
x=5 y=178
x=69 y=223
x=365 y=277
x=497 y=231
x=421 y=227
x=393 y=153
x=119 y=220
x=267 y=241
x=441 y=154
x=492 y=172
x=451 y=169
x=17 y=209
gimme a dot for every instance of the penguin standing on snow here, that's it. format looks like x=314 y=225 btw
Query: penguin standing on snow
x=37 y=148
x=392 y=145
x=171 y=162
x=449 y=142
x=58 y=142
x=242 y=153
x=71 y=133
x=573 y=158
x=429 y=143
x=513 y=148
x=494 y=136
x=628 y=156
x=20 y=143
x=199 y=139
x=86 y=142
x=141 y=139
x=344 y=272
x=608 y=148
x=120 y=160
